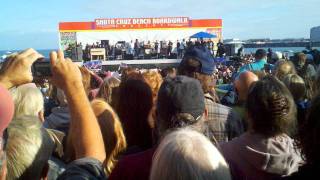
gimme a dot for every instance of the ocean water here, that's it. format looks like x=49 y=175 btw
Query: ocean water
x=44 y=52
x=277 y=49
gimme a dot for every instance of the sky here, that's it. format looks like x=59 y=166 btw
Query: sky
x=34 y=23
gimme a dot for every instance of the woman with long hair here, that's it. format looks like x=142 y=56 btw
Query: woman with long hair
x=266 y=150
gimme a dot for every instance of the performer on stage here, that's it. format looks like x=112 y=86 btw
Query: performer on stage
x=169 y=49
x=136 y=48
x=157 y=48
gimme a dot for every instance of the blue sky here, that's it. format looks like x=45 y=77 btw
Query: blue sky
x=34 y=23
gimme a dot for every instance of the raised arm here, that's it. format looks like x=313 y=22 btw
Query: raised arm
x=87 y=139
x=98 y=79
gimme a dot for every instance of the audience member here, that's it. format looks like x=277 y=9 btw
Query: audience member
x=51 y=101
x=6 y=108
x=86 y=137
x=28 y=101
x=303 y=68
x=86 y=79
x=298 y=90
x=282 y=68
x=168 y=72
x=258 y=65
x=308 y=141
x=88 y=143
x=307 y=72
x=187 y=154
x=112 y=133
x=224 y=123
x=242 y=85
x=28 y=149
x=316 y=84
x=134 y=108
x=265 y=151
x=129 y=72
x=180 y=104
x=95 y=84
x=59 y=119
x=109 y=91
x=15 y=71
x=154 y=80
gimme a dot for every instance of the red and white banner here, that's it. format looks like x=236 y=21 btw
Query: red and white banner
x=122 y=23
x=143 y=29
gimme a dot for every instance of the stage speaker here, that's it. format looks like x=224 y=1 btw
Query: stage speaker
x=128 y=56
x=147 y=56
x=105 y=43
x=173 y=56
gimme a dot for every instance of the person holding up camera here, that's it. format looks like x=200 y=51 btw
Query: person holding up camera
x=88 y=145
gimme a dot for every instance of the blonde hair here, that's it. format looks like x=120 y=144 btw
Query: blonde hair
x=112 y=132
x=106 y=90
x=154 y=80
x=296 y=85
x=86 y=79
x=27 y=101
x=187 y=154
x=283 y=68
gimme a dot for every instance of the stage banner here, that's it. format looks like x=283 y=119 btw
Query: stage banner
x=68 y=39
x=136 y=23
x=95 y=65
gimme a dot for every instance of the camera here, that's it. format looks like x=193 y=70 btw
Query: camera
x=41 y=68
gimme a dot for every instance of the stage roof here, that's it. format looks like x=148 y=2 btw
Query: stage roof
x=107 y=24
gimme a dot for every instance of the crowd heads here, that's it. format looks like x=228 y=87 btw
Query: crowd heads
x=251 y=119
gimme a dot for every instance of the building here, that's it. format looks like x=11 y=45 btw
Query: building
x=315 y=36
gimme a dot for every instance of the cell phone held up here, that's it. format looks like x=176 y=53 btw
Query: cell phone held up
x=41 y=68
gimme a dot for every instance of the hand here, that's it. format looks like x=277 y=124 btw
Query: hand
x=90 y=71
x=85 y=72
x=65 y=74
x=17 y=68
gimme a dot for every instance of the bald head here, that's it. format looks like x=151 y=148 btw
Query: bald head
x=243 y=83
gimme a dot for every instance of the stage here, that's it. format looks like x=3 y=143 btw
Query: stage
x=140 y=62
x=112 y=65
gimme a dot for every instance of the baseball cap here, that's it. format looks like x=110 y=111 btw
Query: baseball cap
x=261 y=53
x=309 y=58
x=203 y=55
x=181 y=95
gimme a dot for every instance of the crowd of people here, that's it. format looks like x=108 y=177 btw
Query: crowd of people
x=257 y=118
x=147 y=49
